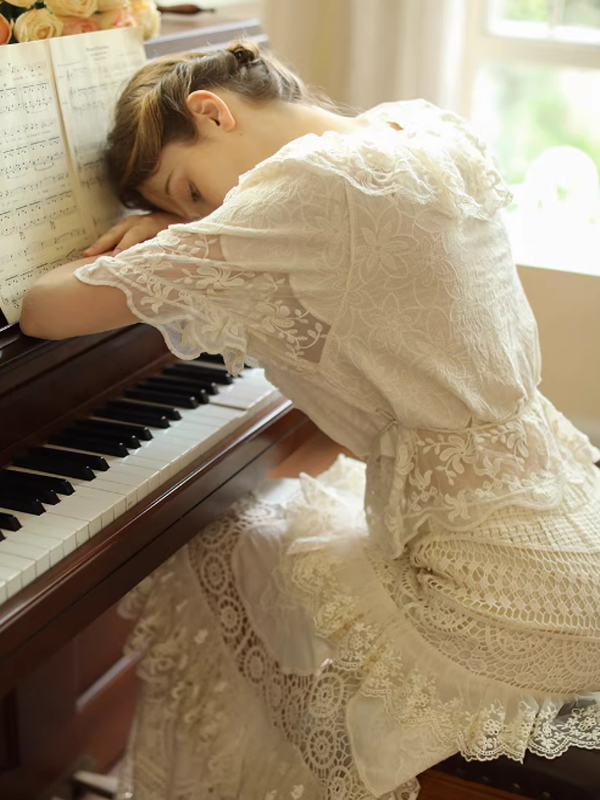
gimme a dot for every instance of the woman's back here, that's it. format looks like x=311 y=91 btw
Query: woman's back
x=371 y=275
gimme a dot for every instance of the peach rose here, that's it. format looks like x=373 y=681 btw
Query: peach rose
x=6 y=28
x=110 y=5
x=38 y=23
x=147 y=17
x=72 y=8
x=117 y=18
x=73 y=25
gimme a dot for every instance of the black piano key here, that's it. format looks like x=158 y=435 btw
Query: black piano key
x=17 y=501
x=173 y=398
x=48 y=496
x=87 y=459
x=56 y=466
x=94 y=445
x=147 y=408
x=20 y=486
x=100 y=436
x=216 y=375
x=137 y=417
x=190 y=380
x=8 y=522
x=121 y=429
x=215 y=358
x=33 y=481
x=164 y=383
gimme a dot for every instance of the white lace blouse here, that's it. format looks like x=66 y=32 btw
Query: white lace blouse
x=371 y=275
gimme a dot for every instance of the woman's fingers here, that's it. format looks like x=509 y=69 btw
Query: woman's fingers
x=133 y=236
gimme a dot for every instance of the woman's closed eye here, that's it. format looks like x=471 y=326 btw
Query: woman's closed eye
x=195 y=195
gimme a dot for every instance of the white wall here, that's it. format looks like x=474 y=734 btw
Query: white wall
x=567 y=308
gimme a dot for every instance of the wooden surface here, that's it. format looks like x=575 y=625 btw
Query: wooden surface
x=313 y=457
x=438 y=786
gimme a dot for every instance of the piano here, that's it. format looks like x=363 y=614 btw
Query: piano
x=113 y=455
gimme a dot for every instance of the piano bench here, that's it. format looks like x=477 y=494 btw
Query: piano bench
x=573 y=776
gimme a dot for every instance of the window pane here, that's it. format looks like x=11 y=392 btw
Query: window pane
x=522 y=110
x=582 y=13
x=545 y=130
x=522 y=10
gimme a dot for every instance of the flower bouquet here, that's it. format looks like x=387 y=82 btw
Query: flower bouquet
x=29 y=20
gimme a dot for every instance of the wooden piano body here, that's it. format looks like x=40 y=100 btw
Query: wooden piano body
x=66 y=694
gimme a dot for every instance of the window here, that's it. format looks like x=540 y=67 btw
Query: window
x=533 y=90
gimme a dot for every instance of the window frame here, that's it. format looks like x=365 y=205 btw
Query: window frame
x=486 y=44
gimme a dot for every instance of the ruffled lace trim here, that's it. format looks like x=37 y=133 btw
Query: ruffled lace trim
x=436 y=160
x=189 y=323
x=469 y=175
x=460 y=477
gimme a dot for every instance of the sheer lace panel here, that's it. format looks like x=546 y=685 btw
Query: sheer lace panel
x=263 y=275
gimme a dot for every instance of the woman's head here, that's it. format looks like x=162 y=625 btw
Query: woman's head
x=188 y=126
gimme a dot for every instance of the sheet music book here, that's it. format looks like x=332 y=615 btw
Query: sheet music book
x=56 y=102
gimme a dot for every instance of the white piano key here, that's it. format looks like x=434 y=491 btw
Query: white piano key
x=236 y=396
x=3 y=592
x=24 y=566
x=214 y=411
x=40 y=556
x=71 y=532
x=95 y=511
x=129 y=493
x=148 y=477
x=11 y=579
x=129 y=481
x=114 y=503
x=51 y=544
x=147 y=459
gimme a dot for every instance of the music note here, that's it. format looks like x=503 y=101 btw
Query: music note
x=39 y=223
x=54 y=195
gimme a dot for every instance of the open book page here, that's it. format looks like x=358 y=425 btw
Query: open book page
x=90 y=71
x=40 y=226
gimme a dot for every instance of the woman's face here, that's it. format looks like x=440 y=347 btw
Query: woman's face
x=193 y=178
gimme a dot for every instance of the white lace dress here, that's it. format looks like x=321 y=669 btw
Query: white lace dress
x=443 y=597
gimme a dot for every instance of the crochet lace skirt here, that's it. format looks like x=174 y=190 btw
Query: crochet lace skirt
x=284 y=657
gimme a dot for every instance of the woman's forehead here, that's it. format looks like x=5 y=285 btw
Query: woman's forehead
x=167 y=162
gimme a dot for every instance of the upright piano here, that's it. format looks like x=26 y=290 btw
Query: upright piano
x=112 y=457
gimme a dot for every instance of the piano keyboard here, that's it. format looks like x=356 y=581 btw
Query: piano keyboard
x=55 y=497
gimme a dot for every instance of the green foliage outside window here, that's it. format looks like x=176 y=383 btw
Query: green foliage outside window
x=584 y=13
x=536 y=112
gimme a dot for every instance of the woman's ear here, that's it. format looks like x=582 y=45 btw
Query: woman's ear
x=208 y=108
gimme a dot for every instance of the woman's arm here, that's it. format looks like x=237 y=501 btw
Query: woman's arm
x=59 y=305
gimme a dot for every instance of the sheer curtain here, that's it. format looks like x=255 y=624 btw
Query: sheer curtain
x=364 y=52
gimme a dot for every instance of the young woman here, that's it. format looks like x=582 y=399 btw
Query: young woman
x=442 y=597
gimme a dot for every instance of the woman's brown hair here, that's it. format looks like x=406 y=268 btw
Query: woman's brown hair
x=152 y=111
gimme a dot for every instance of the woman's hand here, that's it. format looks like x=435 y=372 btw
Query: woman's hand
x=132 y=230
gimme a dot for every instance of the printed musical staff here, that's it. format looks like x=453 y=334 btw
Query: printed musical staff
x=40 y=226
x=91 y=71
x=54 y=195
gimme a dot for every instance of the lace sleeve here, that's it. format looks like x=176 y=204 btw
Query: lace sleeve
x=261 y=276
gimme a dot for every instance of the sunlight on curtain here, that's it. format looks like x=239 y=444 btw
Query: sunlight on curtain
x=364 y=52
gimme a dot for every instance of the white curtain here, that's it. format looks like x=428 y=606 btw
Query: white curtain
x=364 y=52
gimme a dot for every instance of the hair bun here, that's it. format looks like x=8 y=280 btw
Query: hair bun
x=244 y=54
